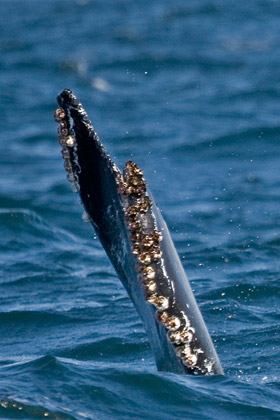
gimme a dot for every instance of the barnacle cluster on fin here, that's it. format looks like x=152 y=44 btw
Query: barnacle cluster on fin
x=68 y=101
x=146 y=248
x=66 y=133
x=67 y=141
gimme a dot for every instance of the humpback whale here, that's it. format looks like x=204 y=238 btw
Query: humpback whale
x=136 y=239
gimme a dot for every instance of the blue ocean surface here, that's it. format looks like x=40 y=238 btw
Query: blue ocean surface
x=190 y=90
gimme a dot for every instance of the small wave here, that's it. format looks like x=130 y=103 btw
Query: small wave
x=233 y=144
x=186 y=12
x=24 y=219
x=33 y=318
x=183 y=397
x=245 y=290
x=18 y=409
x=109 y=348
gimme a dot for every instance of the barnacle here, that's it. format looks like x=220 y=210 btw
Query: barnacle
x=148 y=272
x=59 y=114
x=190 y=361
x=160 y=302
x=70 y=141
x=151 y=286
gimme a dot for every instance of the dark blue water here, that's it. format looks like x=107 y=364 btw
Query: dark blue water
x=191 y=91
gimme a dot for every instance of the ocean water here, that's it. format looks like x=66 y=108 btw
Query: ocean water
x=190 y=90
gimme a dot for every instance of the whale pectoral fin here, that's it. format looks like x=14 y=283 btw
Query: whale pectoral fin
x=137 y=241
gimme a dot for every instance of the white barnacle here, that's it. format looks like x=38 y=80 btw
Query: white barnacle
x=65 y=153
x=185 y=351
x=135 y=248
x=63 y=132
x=115 y=169
x=59 y=115
x=172 y=323
x=186 y=336
x=151 y=286
x=89 y=127
x=149 y=273
x=180 y=337
x=162 y=316
x=157 y=236
x=148 y=241
x=67 y=165
x=81 y=110
x=174 y=337
x=160 y=302
x=145 y=258
x=62 y=141
x=156 y=254
x=152 y=299
x=70 y=141
x=145 y=204
x=190 y=361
